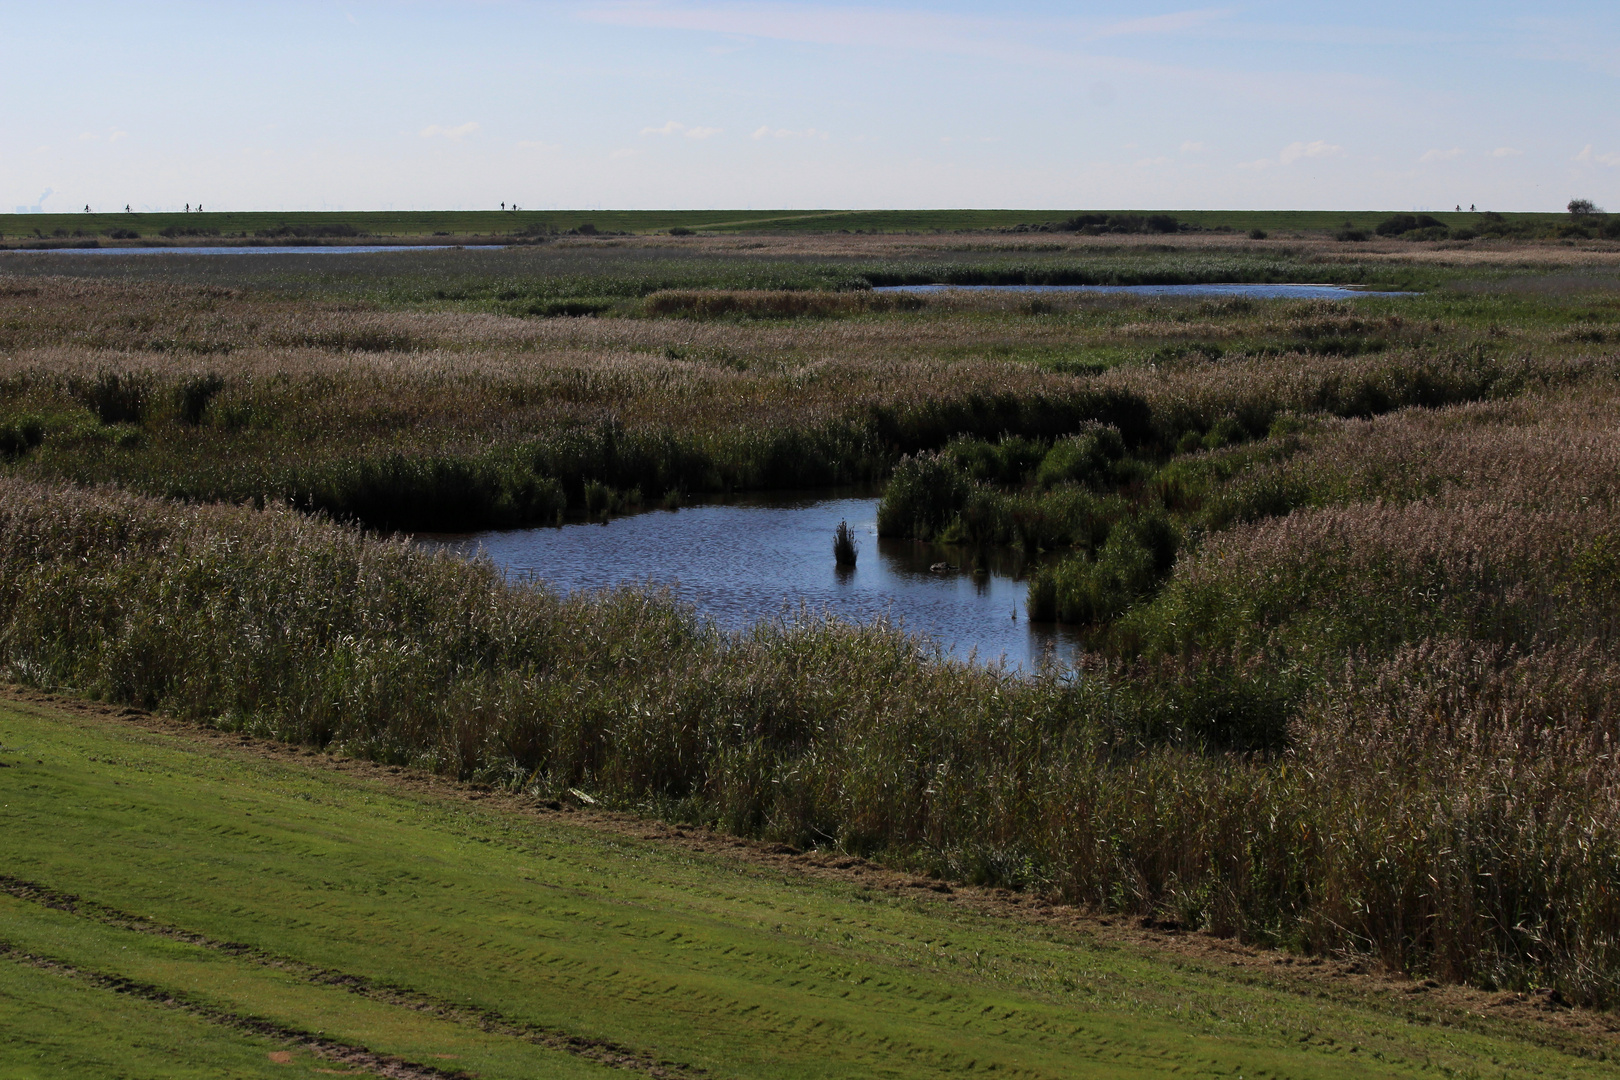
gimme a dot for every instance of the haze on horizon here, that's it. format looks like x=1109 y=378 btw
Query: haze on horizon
x=696 y=104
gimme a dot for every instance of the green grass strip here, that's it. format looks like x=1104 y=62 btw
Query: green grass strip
x=698 y=960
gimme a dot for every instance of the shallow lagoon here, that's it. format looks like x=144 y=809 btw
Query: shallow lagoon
x=254 y=249
x=1252 y=290
x=743 y=561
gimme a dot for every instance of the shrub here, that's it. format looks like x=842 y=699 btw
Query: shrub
x=1401 y=224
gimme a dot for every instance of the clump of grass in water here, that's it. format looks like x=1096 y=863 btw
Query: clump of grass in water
x=845 y=547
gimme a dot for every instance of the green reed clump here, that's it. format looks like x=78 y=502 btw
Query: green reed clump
x=115 y=397
x=846 y=549
x=20 y=435
x=193 y=396
x=1137 y=556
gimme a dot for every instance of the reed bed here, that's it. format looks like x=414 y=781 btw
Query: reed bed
x=1351 y=569
x=455 y=419
x=1444 y=809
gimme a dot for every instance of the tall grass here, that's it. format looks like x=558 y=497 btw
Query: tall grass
x=1442 y=808
x=846 y=549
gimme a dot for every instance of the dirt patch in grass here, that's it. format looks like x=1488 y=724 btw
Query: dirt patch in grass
x=1541 y=1017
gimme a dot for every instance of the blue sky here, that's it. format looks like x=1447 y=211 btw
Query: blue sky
x=378 y=104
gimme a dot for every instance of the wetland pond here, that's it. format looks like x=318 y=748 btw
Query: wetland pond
x=254 y=249
x=1208 y=289
x=746 y=560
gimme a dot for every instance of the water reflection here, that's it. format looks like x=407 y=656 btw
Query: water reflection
x=751 y=559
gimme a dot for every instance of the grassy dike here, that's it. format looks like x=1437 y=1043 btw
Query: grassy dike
x=357 y=226
x=180 y=906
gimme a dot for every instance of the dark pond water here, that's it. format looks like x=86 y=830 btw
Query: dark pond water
x=1263 y=292
x=744 y=561
x=260 y=249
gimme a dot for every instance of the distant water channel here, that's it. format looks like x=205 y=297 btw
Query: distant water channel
x=741 y=562
x=253 y=249
x=1256 y=291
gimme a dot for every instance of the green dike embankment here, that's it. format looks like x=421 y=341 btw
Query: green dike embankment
x=182 y=905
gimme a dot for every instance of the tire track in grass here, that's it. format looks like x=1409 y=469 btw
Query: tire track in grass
x=338 y=1052
x=599 y=1051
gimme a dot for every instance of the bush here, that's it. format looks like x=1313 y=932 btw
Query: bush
x=1401 y=224
x=1119 y=223
x=1257 y=234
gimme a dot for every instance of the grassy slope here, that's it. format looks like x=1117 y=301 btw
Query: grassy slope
x=696 y=959
x=490 y=222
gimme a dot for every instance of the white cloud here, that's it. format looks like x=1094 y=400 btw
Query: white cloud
x=1443 y=155
x=88 y=136
x=787 y=133
x=1297 y=151
x=115 y=136
x=1193 y=148
x=675 y=127
x=1506 y=151
x=1587 y=157
x=455 y=134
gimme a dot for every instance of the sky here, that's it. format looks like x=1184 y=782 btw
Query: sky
x=707 y=104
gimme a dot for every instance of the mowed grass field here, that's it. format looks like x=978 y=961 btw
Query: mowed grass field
x=176 y=906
